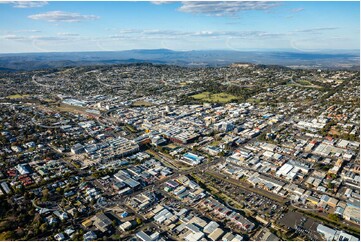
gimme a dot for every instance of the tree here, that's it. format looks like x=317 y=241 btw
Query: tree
x=334 y=217
x=59 y=190
x=138 y=220
x=5 y=225
x=8 y=235
x=45 y=193
x=330 y=185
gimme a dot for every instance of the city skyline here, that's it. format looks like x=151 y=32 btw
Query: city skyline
x=114 y=26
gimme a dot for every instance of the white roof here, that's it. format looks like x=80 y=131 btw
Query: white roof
x=194 y=236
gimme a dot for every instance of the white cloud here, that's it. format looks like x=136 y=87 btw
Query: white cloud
x=297 y=10
x=26 y=4
x=230 y=8
x=161 y=2
x=60 y=16
x=172 y=34
x=22 y=31
x=67 y=34
x=28 y=31
x=47 y=38
x=12 y=37
x=315 y=30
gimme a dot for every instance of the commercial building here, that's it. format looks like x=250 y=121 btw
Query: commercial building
x=352 y=213
x=326 y=232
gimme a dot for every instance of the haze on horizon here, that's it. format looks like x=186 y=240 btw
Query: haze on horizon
x=113 y=26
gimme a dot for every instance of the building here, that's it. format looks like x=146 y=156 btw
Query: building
x=23 y=169
x=5 y=187
x=77 y=149
x=326 y=232
x=352 y=213
x=216 y=234
x=89 y=236
x=125 y=226
x=59 y=237
x=144 y=237
x=102 y=222
x=212 y=150
x=346 y=237
x=209 y=228
x=237 y=238
x=194 y=236
x=313 y=200
x=192 y=159
x=228 y=237
x=284 y=170
x=266 y=235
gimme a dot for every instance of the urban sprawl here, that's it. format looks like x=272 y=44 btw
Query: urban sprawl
x=149 y=152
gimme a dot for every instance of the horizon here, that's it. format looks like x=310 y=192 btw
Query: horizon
x=57 y=27
x=322 y=51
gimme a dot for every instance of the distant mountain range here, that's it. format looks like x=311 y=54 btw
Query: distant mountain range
x=322 y=60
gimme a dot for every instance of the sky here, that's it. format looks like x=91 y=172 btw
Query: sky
x=244 y=25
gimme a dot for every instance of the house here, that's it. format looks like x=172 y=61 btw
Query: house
x=59 y=237
x=332 y=202
x=313 y=200
x=87 y=223
x=125 y=226
x=90 y=236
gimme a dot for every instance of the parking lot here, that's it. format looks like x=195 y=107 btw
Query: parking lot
x=302 y=225
x=250 y=200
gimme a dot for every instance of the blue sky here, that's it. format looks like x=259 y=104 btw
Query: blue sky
x=110 y=26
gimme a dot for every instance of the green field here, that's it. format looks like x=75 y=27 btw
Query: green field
x=304 y=82
x=17 y=96
x=217 y=97
x=253 y=100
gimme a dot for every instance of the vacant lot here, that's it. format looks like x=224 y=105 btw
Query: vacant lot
x=69 y=108
x=216 y=97
x=142 y=103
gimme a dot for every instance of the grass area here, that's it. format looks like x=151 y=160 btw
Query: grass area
x=48 y=100
x=253 y=100
x=214 y=143
x=216 y=97
x=142 y=103
x=304 y=82
x=17 y=96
